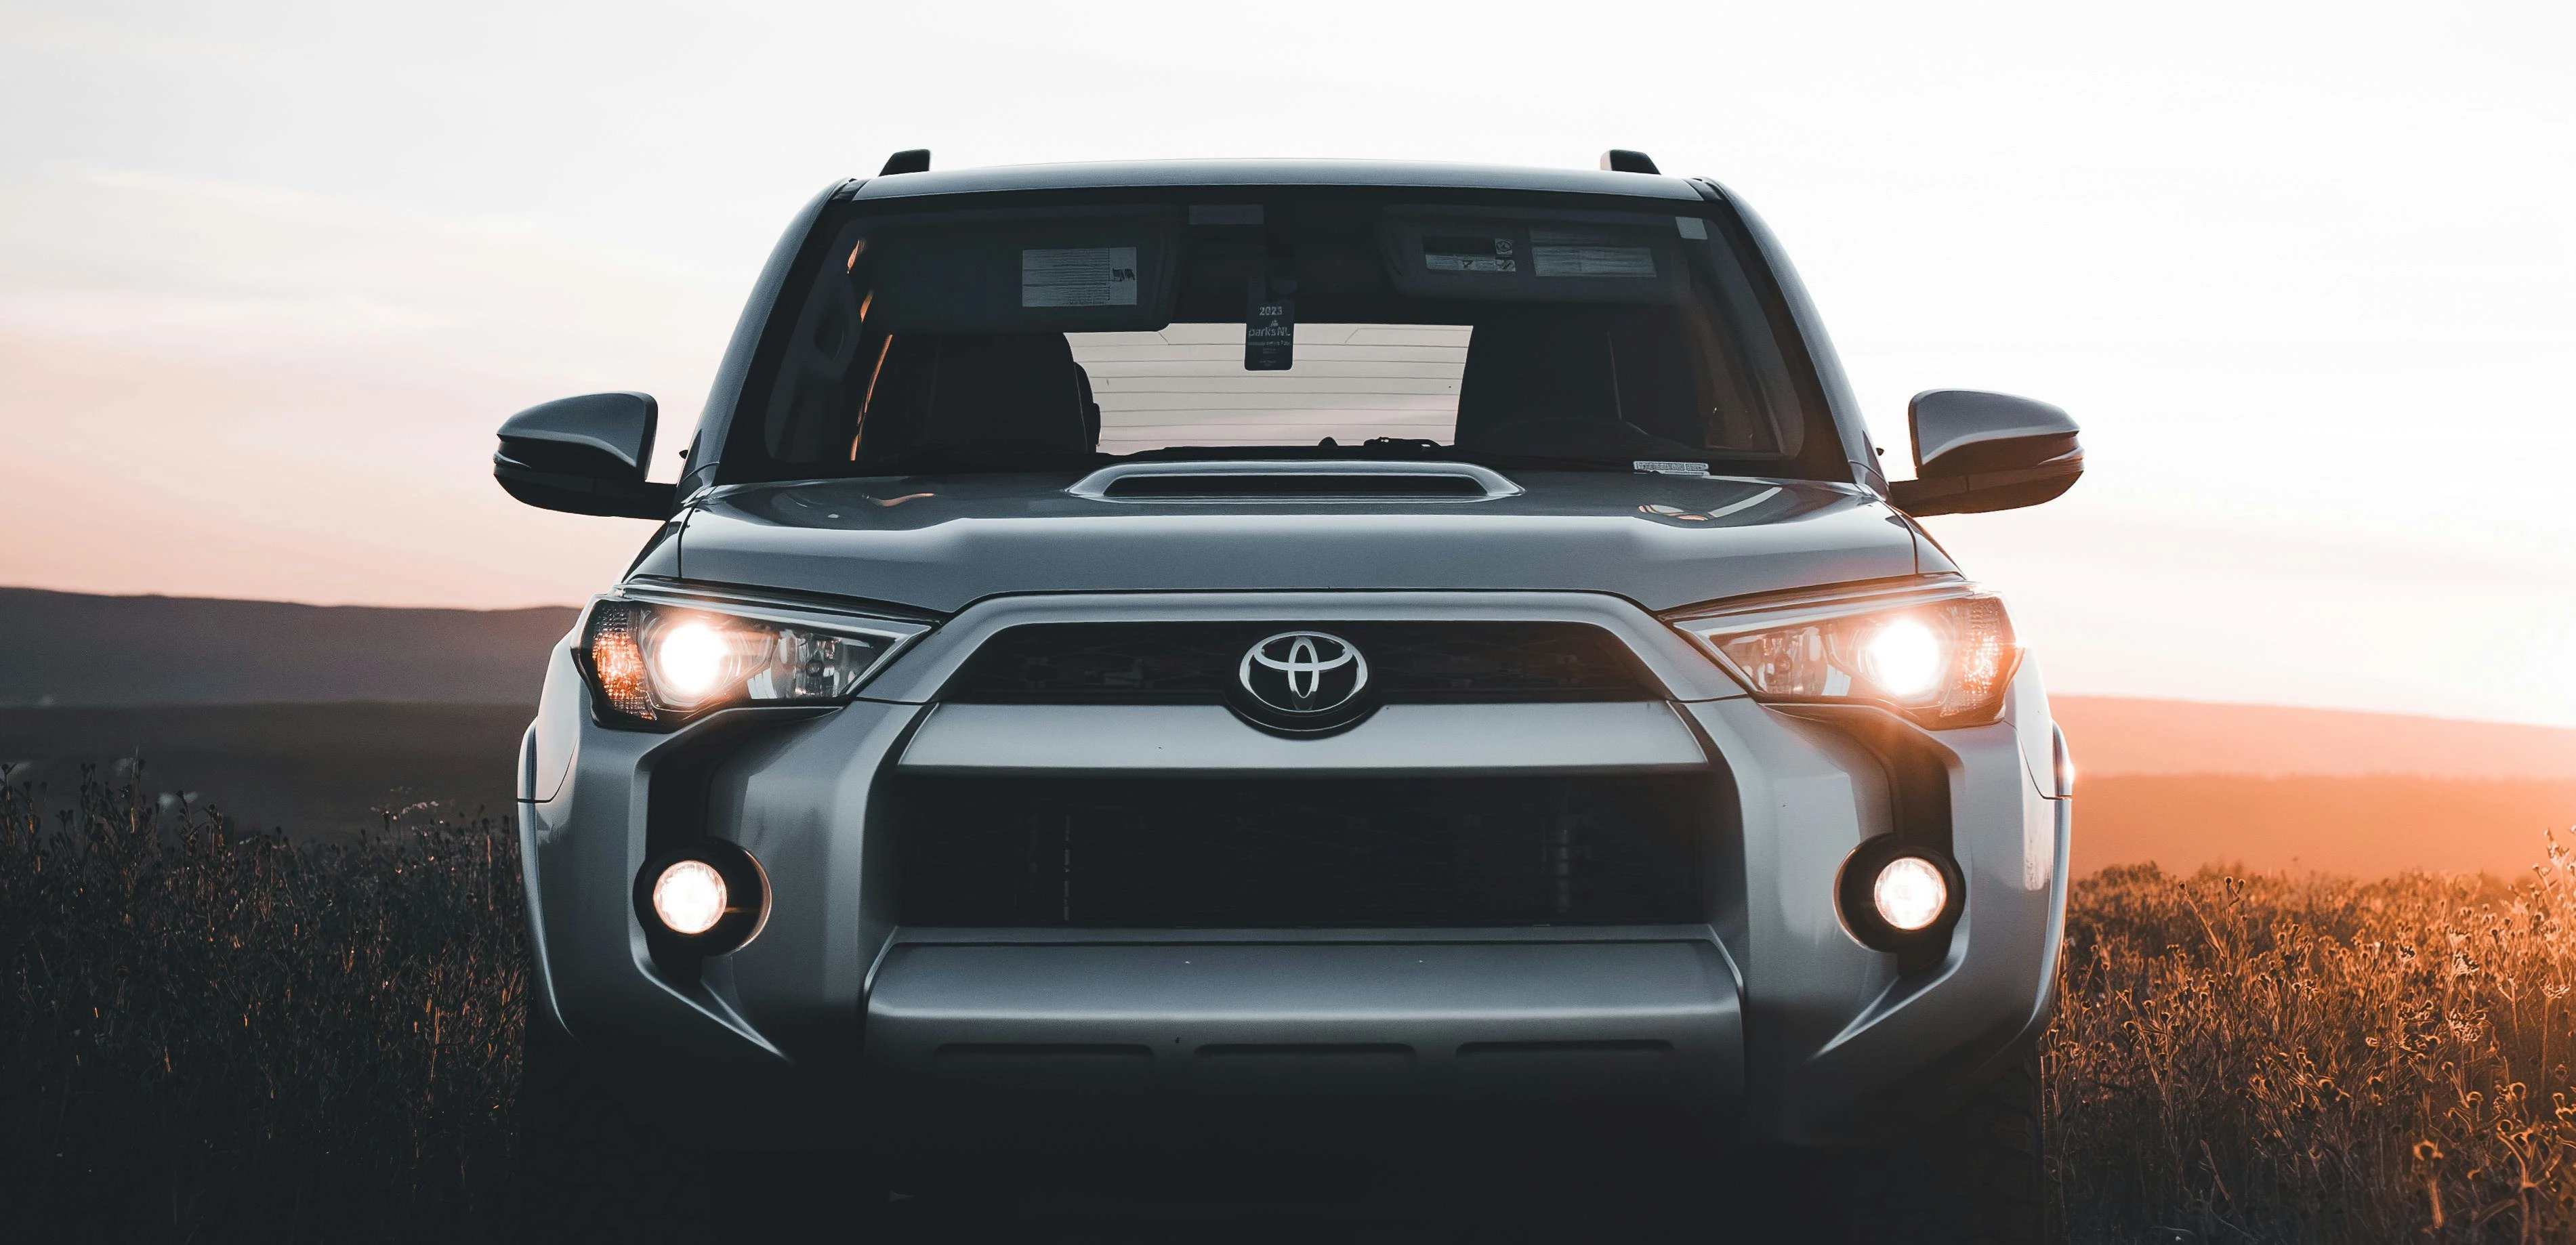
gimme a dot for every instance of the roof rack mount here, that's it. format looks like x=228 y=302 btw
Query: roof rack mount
x=1616 y=160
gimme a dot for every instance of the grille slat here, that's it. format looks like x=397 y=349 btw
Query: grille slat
x=1159 y=853
x=1408 y=661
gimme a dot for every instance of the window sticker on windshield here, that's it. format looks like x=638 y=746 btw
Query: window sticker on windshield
x=1078 y=276
x=1269 y=330
x=1692 y=227
x=1465 y=253
x=1565 y=253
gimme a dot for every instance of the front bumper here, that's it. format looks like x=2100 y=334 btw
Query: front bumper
x=1764 y=1020
x=989 y=1023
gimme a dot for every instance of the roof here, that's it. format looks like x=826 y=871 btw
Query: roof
x=1178 y=173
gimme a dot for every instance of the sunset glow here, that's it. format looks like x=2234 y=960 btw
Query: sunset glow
x=2297 y=301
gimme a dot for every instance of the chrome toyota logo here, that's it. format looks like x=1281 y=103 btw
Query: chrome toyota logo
x=1303 y=681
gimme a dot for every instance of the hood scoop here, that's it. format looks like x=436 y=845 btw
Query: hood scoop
x=1238 y=483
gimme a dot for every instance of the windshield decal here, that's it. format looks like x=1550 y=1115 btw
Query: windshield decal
x=1466 y=253
x=1078 y=276
x=1569 y=253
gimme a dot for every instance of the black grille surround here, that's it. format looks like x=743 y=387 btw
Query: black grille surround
x=1195 y=662
x=1300 y=852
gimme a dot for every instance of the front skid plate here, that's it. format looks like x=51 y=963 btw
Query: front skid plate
x=1571 y=1022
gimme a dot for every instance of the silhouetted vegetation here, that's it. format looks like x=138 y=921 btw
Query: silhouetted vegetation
x=206 y=1035
x=2293 y=1060
x=213 y=1035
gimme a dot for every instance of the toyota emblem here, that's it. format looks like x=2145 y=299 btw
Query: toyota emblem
x=1303 y=682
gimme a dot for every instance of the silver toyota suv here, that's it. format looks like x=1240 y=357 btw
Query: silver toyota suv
x=1215 y=640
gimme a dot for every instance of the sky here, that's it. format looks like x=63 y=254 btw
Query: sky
x=271 y=273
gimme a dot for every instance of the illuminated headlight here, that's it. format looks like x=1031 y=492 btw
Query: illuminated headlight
x=1944 y=657
x=655 y=664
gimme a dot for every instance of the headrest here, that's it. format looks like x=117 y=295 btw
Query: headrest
x=1548 y=385
x=1017 y=392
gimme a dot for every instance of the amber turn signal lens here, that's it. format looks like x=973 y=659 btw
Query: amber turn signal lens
x=618 y=661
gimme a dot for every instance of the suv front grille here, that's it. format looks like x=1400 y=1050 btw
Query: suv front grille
x=1232 y=853
x=1408 y=661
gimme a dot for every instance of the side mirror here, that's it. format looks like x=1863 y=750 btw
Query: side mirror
x=1976 y=451
x=584 y=455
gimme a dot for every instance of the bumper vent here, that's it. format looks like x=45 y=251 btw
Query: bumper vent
x=1163 y=853
x=1195 y=662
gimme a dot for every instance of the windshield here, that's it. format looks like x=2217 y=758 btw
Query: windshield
x=1313 y=324
x=1185 y=385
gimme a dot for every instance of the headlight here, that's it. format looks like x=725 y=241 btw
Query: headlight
x=654 y=663
x=1942 y=655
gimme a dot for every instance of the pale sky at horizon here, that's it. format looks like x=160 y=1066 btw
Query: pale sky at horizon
x=271 y=273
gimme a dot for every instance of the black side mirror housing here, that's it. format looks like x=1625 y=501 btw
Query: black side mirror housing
x=1975 y=452
x=584 y=455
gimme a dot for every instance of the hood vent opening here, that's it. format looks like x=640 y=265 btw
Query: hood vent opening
x=1301 y=486
x=1292 y=481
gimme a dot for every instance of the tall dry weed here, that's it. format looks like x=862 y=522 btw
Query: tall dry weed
x=210 y=1035
x=2314 y=1060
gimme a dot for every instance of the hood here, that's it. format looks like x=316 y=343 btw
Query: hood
x=941 y=544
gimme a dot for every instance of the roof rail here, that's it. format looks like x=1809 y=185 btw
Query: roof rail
x=917 y=160
x=1617 y=160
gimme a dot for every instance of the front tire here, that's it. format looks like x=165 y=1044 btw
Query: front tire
x=1978 y=1176
x=594 y=1163
x=580 y=1156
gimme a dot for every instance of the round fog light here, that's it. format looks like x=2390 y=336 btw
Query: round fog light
x=1909 y=893
x=689 y=897
x=707 y=897
x=1898 y=896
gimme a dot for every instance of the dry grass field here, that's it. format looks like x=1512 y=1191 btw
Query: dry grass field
x=2277 y=1059
x=206 y=1036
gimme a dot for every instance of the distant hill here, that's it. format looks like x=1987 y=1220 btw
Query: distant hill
x=252 y=705
x=2367 y=825
x=2123 y=735
x=76 y=650
x=311 y=769
x=2185 y=784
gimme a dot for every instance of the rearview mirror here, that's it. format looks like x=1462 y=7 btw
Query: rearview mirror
x=1975 y=452
x=584 y=455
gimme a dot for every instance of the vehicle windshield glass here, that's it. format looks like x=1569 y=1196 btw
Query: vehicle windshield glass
x=1305 y=325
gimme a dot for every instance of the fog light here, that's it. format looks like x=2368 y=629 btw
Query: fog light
x=1909 y=893
x=689 y=897
x=1899 y=896
x=706 y=897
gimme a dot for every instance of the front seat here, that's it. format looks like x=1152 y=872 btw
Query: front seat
x=1005 y=395
x=1546 y=384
